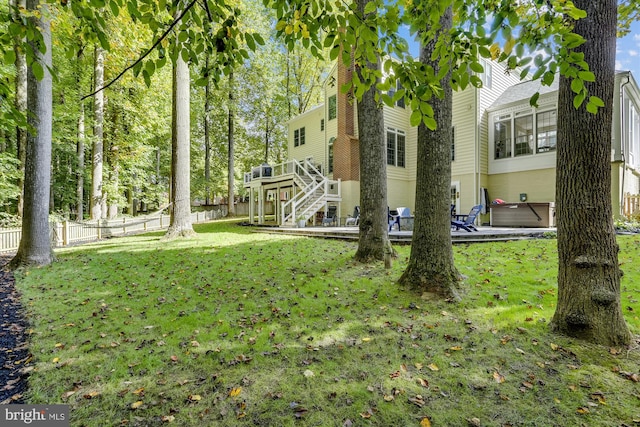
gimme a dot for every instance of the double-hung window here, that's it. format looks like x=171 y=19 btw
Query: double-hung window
x=524 y=133
x=396 y=147
x=298 y=137
x=333 y=107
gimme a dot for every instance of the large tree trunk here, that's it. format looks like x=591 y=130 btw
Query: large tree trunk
x=588 y=272
x=373 y=242
x=231 y=174
x=80 y=166
x=21 y=103
x=35 y=244
x=207 y=138
x=180 y=223
x=431 y=268
x=97 y=198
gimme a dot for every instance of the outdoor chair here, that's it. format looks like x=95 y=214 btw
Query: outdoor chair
x=466 y=221
x=355 y=218
x=331 y=217
x=394 y=218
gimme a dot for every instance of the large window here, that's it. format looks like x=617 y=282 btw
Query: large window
x=634 y=136
x=396 y=147
x=546 y=131
x=523 y=127
x=298 y=137
x=524 y=134
x=502 y=137
x=333 y=107
x=330 y=154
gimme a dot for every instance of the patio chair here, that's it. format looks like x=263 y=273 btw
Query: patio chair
x=331 y=217
x=466 y=221
x=394 y=218
x=355 y=218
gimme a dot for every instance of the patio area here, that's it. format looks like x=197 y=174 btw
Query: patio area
x=484 y=234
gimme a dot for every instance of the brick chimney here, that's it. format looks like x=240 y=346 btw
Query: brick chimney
x=346 y=157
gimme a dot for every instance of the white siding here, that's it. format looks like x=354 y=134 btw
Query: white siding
x=314 y=145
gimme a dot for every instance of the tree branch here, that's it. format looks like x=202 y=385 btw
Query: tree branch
x=141 y=58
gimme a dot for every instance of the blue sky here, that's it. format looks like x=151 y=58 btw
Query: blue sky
x=628 y=52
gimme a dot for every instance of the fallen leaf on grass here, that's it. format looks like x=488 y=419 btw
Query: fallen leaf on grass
x=554 y=347
x=433 y=367
x=631 y=376
x=388 y=398
x=425 y=422
x=136 y=405
x=417 y=400
x=138 y=392
x=67 y=395
x=582 y=410
x=168 y=418
x=194 y=398
x=498 y=377
x=91 y=395
x=424 y=383
x=308 y=373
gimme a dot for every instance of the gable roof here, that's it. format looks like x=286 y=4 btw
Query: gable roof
x=522 y=92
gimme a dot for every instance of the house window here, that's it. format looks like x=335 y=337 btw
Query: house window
x=393 y=90
x=396 y=147
x=502 y=137
x=298 y=137
x=487 y=75
x=453 y=143
x=331 y=141
x=634 y=136
x=321 y=125
x=332 y=107
x=546 y=126
x=523 y=127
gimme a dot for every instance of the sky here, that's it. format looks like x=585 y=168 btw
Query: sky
x=628 y=52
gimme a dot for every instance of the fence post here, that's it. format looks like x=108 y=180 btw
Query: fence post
x=65 y=233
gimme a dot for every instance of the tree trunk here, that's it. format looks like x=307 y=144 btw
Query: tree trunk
x=588 y=272
x=231 y=175
x=80 y=167
x=373 y=242
x=180 y=223
x=96 y=208
x=21 y=105
x=431 y=268
x=207 y=138
x=35 y=244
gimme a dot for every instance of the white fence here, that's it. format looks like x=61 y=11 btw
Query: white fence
x=70 y=232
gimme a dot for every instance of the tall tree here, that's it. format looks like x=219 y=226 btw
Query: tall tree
x=231 y=150
x=35 y=245
x=373 y=241
x=431 y=267
x=588 y=271
x=180 y=222
x=80 y=166
x=97 y=153
x=20 y=99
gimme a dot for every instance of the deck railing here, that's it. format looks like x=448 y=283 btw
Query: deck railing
x=70 y=232
x=631 y=206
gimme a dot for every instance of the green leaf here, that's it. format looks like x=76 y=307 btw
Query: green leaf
x=587 y=76
x=115 y=9
x=416 y=118
x=9 y=57
x=250 y=43
x=430 y=123
x=533 y=101
x=477 y=67
x=592 y=108
x=258 y=38
x=37 y=70
x=596 y=101
x=577 y=85
x=370 y=8
x=578 y=100
x=146 y=77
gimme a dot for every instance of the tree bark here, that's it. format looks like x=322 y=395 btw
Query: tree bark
x=431 y=268
x=231 y=165
x=373 y=241
x=207 y=138
x=97 y=196
x=21 y=104
x=80 y=166
x=180 y=222
x=35 y=244
x=588 y=273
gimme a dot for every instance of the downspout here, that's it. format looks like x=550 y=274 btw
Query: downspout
x=476 y=160
x=623 y=144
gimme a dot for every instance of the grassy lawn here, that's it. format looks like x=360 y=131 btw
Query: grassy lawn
x=236 y=328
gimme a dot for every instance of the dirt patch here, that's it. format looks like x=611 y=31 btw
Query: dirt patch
x=14 y=352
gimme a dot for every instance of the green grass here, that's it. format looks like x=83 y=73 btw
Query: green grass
x=235 y=328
